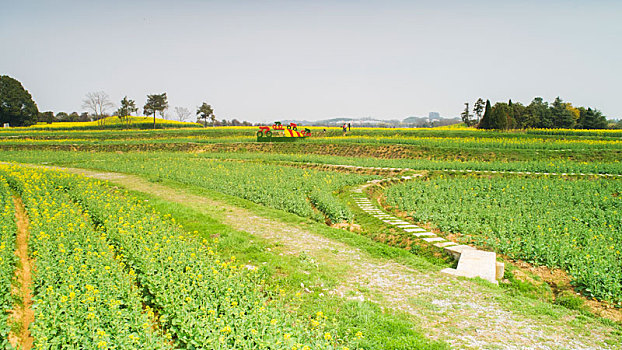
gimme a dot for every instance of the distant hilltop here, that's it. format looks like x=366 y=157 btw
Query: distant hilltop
x=433 y=120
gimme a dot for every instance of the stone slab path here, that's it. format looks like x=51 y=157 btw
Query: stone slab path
x=477 y=263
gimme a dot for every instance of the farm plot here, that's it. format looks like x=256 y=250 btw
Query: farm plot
x=371 y=157
x=82 y=294
x=105 y=266
x=305 y=192
x=574 y=224
x=500 y=142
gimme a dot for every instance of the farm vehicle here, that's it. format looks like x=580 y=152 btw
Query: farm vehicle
x=280 y=133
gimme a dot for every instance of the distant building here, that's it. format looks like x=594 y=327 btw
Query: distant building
x=434 y=115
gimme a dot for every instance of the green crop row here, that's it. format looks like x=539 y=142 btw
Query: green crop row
x=492 y=143
x=206 y=303
x=98 y=288
x=558 y=222
x=557 y=166
x=83 y=298
x=8 y=230
x=308 y=193
x=58 y=131
x=147 y=163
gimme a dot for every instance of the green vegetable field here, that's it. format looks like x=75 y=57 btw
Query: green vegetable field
x=570 y=223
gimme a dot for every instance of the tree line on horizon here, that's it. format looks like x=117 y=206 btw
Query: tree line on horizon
x=17 y=108
x=539 y=114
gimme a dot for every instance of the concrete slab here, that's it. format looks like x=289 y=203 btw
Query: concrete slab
x=434 y=239
x=444 y=244
x=395 y=222
x=457 y=250
x=423 y=234
x=500 y=270
x=478 y=263
x=408 y=226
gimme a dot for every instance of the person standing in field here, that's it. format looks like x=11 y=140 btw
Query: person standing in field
x=348 y=126
x=345 y=129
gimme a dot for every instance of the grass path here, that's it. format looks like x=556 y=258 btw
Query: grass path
x=23 y=314
x=464 y=313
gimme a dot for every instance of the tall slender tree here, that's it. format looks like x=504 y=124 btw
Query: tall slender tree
x=485 y=123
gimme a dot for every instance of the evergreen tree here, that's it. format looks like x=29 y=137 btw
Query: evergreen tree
x=155 y=103
x=562 y=117
x=206 y=111
x=511 y=119
x=499 y=116
x=591 y=119
x=127 y=108
x=485 y=122
x=519 y=114
x=539 y=114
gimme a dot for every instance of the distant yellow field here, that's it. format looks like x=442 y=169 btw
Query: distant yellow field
x=110 y=121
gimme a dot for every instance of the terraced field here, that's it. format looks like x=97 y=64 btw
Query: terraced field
x=133 y=267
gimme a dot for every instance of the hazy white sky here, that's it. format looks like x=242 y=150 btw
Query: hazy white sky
x=269 y=60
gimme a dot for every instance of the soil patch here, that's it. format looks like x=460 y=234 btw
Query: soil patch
x=23 y=314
